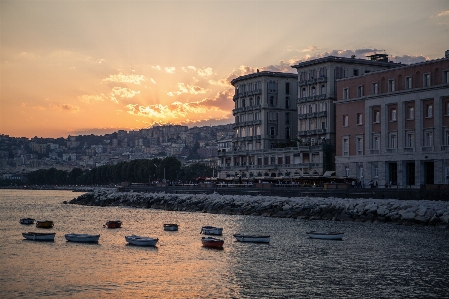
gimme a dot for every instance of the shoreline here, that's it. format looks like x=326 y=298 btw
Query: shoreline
x=405 y=212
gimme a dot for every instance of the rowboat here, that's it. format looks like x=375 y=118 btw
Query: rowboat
x=252 y=238
x=212 y=242
x=171 y=227
x=39 y=236
x=113 y=224
x=44 y=224
x=325 y=235
x=211 y=230
x=141 y=241
x=82 y=238
x=26 y=221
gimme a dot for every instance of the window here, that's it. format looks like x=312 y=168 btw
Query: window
x=428 y=138
x=408 y=82
x=411 y=112
x=376 y=116
x=376 y=172
x=356 y=72
x=426 y=81
x=391 y=85
x=280 y=160
x=243 y=103
x=287 y=118
x=359 y=145
x=393 y=115
x=410 y=140
x=271 y=101
x=313 y=91
x=303 y=92
x=287 y=159
x=272 y=131
x=392 y=140
x=347 y=171
x=445 y=77
x=376 y=142
x=446 y=138
x=287 y=103
x=360 y=91
x=375 y=88
x=345 y=146
x=287 y=133
x=359 y=119
x=287 y=88
x=323 y=89
x=345 y=93
x=258 y=100
x=429 y=109
x=447 y=108
x=345 y=120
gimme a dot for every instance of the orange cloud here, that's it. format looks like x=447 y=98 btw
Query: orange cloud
x=65 y=107
x=186 y=88
x=135 y=79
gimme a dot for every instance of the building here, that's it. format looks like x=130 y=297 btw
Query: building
x=316 y=110
x=392 y=126
x=265 y=124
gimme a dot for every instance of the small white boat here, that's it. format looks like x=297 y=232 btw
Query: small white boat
x=141 y=241
x=325 y=235
x=82 y=238
x=252 y=238
x=211 y=230
x=171 y=227
x=39 y=236
x=26 y=221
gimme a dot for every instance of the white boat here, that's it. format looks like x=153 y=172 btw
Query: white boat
x=211 y=230
x=171 y=227
x=325 y=235
x=252 y=238
x=141 y=241
x=39 y=236
x=82 y=238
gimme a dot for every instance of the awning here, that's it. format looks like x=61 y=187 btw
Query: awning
x=329 y=173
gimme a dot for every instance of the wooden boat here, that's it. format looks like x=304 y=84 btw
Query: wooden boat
x=141 y=241
x=44 y=224
x=39 y=236
x=82 y=238
x=252 y=238
x=26 y=221
x=171 y=227
x=113 y=224
x=211 y=230
x=212 y=242
x=325 y=235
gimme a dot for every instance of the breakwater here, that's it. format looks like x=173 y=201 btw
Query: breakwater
x=422 y=212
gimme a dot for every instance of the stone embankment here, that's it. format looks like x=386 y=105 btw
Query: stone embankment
x=421 y=212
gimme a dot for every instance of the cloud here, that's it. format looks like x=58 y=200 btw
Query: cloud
x=122 y=92
x=218 y=108
x=443 y=13
x=91 y=98
x=156 y=67
x=407 y=59
x=121 y=78
x=65 y=107
x=152 y=81
x=170 y=69
x=186 y=88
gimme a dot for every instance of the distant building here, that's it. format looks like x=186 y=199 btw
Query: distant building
x=392 y=126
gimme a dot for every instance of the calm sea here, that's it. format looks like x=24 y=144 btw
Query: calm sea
x=373 y=260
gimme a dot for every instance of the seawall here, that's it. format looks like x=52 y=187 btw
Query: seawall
x=407 y=212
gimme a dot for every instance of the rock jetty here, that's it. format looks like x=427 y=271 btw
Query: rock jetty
x=407 y=212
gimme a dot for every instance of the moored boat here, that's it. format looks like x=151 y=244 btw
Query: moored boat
x=86 y=238
x=39 y=236
x=212 y=242
x=44 y=224
x=171 y=227
x=26 y=221
x=113 y=224
x=325 y=235
x=141 y=241
x=211 y=230
x=252 y=238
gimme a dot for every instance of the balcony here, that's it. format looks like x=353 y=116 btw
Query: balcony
x=427 y=149
x=408 y=149
x=302 y=133
x=391 y=150
x=445 y=148
x=311 y=132
x=302 y=83
x=374 y=151
x=322 y=79
x=321 y=113
x=302 y=116
x=310 y=115
x=321 y=131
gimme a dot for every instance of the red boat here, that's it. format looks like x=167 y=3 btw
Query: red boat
x=212 y=242
x=113 y=224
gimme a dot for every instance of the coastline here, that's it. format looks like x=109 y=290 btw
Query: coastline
x=405 y=212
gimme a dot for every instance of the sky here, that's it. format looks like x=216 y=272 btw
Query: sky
x=75 y=67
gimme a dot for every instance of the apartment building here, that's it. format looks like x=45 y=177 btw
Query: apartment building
x=265 y=125
x=392 y=126
x=317 y=92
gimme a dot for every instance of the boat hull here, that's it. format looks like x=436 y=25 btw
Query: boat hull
x=212 y=242
x=211 y=230
x=26 y=221
x=39 y=236
x=252 y=238
x=113 y=224
x=44 y=224
x=325 y=235
x=83 y=238
x=141 y=241
x=170 y=227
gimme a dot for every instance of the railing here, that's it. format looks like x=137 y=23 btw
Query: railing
x=374 y=151
x=408 y=149
x=391 y=150
x=427 y=149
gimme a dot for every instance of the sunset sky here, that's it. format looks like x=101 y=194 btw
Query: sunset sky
x=82 y=67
